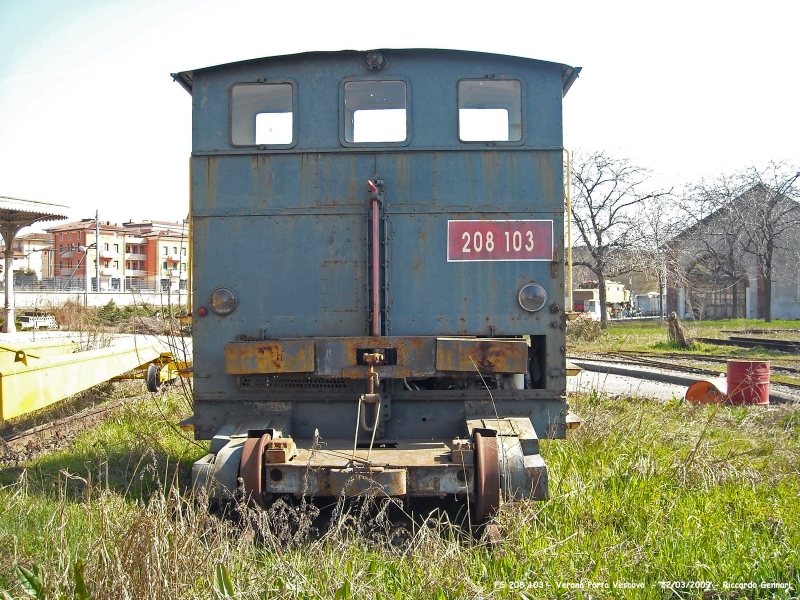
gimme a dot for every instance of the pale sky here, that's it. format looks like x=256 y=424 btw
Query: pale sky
x=90 y=118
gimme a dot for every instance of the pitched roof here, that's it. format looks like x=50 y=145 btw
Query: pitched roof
x=85 y=224
x=24 y=212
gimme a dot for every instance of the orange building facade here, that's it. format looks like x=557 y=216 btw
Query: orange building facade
x=144 y=255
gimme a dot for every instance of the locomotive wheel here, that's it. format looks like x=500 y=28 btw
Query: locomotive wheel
x=251 y=467
x=487 y=477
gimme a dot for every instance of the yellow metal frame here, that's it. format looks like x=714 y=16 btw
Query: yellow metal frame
x=170 y=369
x=29 y=385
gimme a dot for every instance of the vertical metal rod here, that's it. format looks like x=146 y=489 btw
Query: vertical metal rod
x=376 y=311
x=9 y=231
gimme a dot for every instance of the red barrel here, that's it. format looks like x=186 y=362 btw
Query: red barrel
x=748 y=382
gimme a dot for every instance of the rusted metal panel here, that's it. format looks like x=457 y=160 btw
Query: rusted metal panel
x=481 y=355
x=337 y=357
x=353 y=482
x=520 y=428
x=415 y=480
x=432 y=481
x=278 y=356
x=414 y=467
x=281 y=450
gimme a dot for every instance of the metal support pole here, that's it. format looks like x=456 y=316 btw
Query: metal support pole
x=88 y=281
x=9 y=232
x=97 y=249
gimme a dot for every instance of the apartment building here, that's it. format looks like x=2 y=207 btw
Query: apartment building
x=166 y=248
x=141 y=255
x=76 y=247
x=33 y=254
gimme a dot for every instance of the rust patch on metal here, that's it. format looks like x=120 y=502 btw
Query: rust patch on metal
x=389 y=482
x=487 y=475
x=211 y=182
x=287 y=356
x=279 y=451
x=251 y=468
x=488 y=355
x=402 y=176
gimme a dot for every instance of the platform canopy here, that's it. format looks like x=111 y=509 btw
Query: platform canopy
x=14 y=215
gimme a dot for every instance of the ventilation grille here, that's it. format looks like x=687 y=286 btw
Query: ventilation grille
x=274 y=382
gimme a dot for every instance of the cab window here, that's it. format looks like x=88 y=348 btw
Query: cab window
x=489 y=110
x=375 y=111
x=262 y=114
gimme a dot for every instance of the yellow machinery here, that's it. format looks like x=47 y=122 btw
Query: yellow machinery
x=36 y=374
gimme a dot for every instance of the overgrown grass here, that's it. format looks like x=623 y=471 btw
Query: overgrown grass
x=652 y=336
x=644 y=492
x=139 y=317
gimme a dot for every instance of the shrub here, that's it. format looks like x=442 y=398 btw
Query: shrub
x=584 y=329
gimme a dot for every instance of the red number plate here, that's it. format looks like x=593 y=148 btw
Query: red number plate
x=499 y=240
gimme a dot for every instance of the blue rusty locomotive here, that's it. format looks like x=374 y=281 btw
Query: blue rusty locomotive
x=378 y=274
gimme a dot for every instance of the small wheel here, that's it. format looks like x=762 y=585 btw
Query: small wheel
x=251 y=468
x=153 y=378
x=487 y=477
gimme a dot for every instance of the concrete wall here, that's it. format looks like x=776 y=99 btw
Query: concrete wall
x=785 y=300
x=24 y=300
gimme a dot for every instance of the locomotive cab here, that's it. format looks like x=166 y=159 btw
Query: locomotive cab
x=377 y=274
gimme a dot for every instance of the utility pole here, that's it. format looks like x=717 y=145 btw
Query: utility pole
x=97 y=248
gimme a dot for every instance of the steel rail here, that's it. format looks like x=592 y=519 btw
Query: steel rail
x=16 y=438
x=779 y=345
x=709 y=358
x=619 y=358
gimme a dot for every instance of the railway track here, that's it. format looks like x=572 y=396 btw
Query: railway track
x=21 y=438
x=792 y=347
x=638 y=358
x=711 y=359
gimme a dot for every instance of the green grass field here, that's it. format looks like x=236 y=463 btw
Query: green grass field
x=647 y=500
x=652 y=336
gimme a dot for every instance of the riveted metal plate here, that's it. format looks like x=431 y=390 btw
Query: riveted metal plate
x=386 y=482
x=274 y=356
x=482 y=355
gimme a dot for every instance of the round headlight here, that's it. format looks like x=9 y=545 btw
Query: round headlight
x=223 y=301
x=532 y=297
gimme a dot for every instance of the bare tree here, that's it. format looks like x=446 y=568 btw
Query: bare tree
x=607 y=192
x=770 y=213
x=752 y=213
x=715 y=235
x=655 y=226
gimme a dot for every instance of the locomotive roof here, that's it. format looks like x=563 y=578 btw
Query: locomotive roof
x=568 y=74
